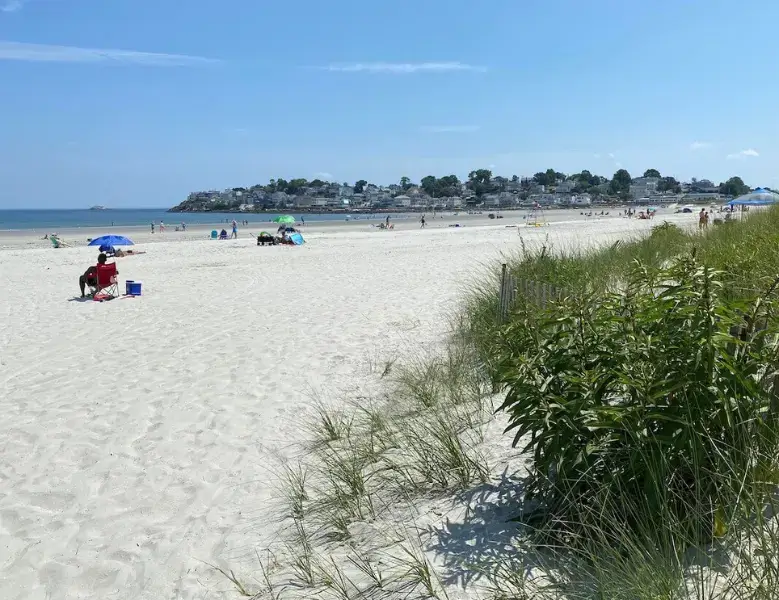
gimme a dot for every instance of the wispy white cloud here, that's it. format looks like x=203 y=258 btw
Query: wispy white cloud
x=403 y=68
x=743 y=154
x=611 y=155
x=12 y=5
x=323 y=175
x=700 y=145
x=450 y=128
x=71 y=54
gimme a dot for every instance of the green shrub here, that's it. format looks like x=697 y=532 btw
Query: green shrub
x=642 y=407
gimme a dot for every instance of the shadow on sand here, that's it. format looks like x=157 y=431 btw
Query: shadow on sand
x=490 y=533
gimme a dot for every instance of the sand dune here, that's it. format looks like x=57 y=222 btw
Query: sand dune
x=139 y=435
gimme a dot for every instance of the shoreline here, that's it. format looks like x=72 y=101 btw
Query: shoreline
x=312 y=216
x=141 y=234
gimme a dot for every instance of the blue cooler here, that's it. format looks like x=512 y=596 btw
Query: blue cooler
x=133 y=288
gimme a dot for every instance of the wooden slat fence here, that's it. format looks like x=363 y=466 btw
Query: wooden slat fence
x=540 y=294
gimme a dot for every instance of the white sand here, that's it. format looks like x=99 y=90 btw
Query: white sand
x=138 y=436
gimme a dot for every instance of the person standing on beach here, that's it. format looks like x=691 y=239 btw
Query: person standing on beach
x=235 y=230
x=423 y=221
x=152 y=227
x=387 y=220
x=702 y=219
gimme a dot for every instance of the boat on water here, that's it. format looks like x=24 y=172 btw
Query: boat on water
x=98 y=207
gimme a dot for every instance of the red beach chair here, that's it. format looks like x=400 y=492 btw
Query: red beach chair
x=107 y=283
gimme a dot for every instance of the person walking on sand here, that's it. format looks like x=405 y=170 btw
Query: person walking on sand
x=152 y=227
x=234 y=235
x=702 y=219
x=422 y=220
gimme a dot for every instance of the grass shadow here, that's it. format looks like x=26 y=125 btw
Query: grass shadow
x=488 y=534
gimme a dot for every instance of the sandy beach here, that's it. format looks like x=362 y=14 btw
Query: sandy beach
x=139 y=436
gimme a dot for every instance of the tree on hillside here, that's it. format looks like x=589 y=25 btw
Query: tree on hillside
x=514 y=179
x=480 y=175
x=652 y=173
x=734 y=186
x=359 y=186
x=405 y=183
x=296 y=185
x=429 y=184
x=548 y=177
x=318 y=183
x=479 y=181
x=500 y=182
x=669 y=184
x=620 y=183
x=449 y=185
x=585 y=181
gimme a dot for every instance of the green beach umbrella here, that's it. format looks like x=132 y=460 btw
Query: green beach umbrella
x=284 y=219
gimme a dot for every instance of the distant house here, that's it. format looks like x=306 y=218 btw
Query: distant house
x=643 y=187
x=581 y=200
x=303 y=201
x=402 y=201
x=703 y=197
x=565 y=187
x=491 y=200
x=544 y=199
x=453 y=202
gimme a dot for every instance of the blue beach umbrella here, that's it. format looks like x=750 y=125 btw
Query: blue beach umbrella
x=111 y=240
x=760 y=197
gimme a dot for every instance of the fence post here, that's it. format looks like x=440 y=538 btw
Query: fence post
x=502 y=296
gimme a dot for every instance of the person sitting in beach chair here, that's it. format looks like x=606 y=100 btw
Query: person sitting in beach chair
x=90 y=277
x=107 y=282
x=101 y=278
x=223 y=234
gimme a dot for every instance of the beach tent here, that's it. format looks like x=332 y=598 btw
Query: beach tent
x=111 y=240
x=297 y=239
x=760 y=197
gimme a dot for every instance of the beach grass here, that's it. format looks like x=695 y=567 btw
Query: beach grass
x=650 y=433
x=675 y=455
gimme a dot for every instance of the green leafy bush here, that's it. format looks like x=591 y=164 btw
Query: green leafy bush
x=643 y=407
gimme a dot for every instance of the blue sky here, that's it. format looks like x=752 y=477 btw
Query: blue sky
x=138 y=102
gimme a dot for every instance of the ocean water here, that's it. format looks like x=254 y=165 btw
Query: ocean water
x=43 y=220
